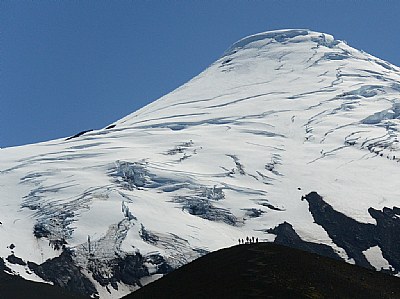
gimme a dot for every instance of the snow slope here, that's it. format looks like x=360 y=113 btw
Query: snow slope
x=232 y=153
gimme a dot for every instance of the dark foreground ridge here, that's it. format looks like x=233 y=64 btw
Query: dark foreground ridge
x=267 y=270
x=15 y=287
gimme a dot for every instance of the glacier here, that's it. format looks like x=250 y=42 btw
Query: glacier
x=291 y=136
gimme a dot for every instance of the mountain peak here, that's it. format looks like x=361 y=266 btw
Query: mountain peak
x=261 y=64
x=290 y=137
x=282 y=36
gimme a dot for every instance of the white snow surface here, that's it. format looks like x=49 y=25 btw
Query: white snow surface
x=317 y=110
x=375 y=257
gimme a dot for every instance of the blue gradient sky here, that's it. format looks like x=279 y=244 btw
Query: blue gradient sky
x=69 y=66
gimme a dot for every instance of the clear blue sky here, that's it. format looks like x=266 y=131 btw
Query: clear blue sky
x=68 y=66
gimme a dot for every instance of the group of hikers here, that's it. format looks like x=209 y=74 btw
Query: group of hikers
x=249 y=240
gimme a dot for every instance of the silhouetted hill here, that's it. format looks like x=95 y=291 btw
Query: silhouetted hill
x=267 y=270
x=15 y=287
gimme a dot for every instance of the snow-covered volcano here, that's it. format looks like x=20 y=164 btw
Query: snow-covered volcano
x=291 y=136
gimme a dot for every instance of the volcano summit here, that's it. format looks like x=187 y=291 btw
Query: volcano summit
x=291 y=137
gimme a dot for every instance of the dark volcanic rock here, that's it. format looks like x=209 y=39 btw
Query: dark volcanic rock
x=64 y=273
x=111 y=126
x=15 y=287
x=130 y=269
x=162 y=266
x=387 y=234
x=355 y=237
x=352 y=236
x=286 y=235
x=15 y=260
x=3 y=266
x=78 y=135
